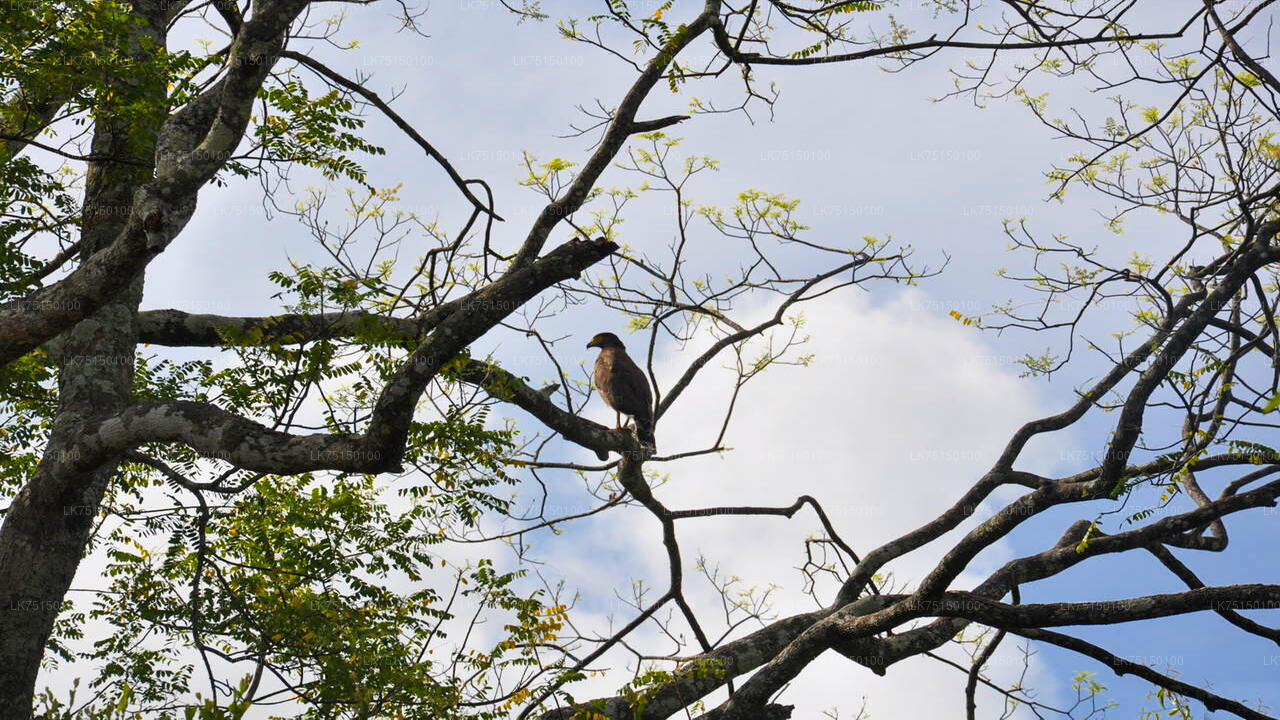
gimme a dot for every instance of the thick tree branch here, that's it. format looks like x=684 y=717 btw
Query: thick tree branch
x=502 y=385
x=477 y=314
x=249 y=445
x=194 y=143
x=176 y=328
x=1184 y=573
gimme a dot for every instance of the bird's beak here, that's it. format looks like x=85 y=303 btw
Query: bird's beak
x=592 y=344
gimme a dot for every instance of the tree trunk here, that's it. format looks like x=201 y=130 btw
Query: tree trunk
x=46 y=530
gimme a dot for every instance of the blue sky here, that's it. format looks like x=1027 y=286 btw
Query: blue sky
x=868 y=153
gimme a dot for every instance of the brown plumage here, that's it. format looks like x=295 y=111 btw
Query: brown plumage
x=623 y=386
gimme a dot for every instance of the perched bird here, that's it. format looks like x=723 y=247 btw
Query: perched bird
x=623 y=385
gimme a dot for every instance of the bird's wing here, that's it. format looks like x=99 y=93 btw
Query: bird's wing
x=632 y=382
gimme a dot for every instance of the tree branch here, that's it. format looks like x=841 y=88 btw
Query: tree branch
x=338 y=79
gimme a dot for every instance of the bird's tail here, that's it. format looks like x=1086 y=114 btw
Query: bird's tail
x=644 y=431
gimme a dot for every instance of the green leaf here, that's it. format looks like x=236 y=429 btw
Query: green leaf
x=1272 y=404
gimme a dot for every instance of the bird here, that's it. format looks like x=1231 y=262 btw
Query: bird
x=623 y=386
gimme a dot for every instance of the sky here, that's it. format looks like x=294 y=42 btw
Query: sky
x=902 y=408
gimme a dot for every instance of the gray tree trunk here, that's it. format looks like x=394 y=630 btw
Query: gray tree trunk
x=46 y=530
